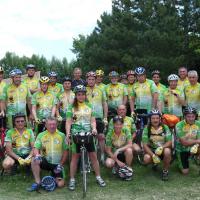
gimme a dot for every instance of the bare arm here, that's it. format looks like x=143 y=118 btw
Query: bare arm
x=34 y=112
x=125 y=99
x=53 y=112
x=64 y=157
x=105 y=109
x=9 y=151
x=155 y=100
x=188 y=143
x=147 y=149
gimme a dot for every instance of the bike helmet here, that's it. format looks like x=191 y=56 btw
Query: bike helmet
x=79 y=88
x=172 y=77
x=140 y=71
x=99 y=72
x=48 y=183
x=123 y=76
x=30 y=66
x=52 y=74
x=155 y=72
x=15 y=72
x=154 y=112
x=1 y=69
x=130 y=72
x=91 y=74
x=67 y=78
x=118 y=118
x=190 y=110
x=44 y=79
x=20 y=114
x=113 y=74
x=125 y=172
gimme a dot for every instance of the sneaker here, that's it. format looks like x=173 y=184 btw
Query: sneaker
x=71 y=185
x=34 y=187
x=101 y=182
x=102 y=158
x=154 y=167
x=165 y=175
x=114 y=170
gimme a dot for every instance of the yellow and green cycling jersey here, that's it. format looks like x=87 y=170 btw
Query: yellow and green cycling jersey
x=161 y=90
x=182 y=84
x=21 y=143
x=32 y=83
x=56 y=89
x=81 y=117
x=96 y=97
x=65 y=99
x=117 y=141
x=171 y=103
x=130 y=89
x=44 y=103
x=143 y=94
x=2 y=86
x=16 y=98
x=156 y=137
x=101 y=86
x=192 y=95
x=188 y=132
x=51 y=145
x=128 y=124
x=115 y=94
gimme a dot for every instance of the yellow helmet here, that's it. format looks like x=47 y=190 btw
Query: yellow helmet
x=99 y=72
x=44 y=79
x=1 y=69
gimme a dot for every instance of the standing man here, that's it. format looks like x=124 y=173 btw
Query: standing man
x=183 y=79
x=15 y=97
x=99 y=79
x=77 y=73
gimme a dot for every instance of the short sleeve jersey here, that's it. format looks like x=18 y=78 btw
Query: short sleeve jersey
x=51 y=145
x=186 y=131
x=156 y=137
x=56 y=89
x=20 y=142
x=32 y=83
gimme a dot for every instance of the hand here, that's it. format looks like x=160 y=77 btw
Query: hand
x=31 y=117
x=105 y=121
x=156 y=159
x=2 y=113
x=68 y=138
x=28 y=160
x=58 y=169
x=120 y=164
x=21 y=161
x=159 y=151
x=194 y=149
x=38 y=121
x=94 y=131
x=59 y=118
x=132 y=114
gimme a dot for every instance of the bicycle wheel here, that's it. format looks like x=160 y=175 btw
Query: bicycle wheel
x=84 y=171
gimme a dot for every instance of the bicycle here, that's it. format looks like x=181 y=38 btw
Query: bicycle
x=82 y=139
x=2 y=140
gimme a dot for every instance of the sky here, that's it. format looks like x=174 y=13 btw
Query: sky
x=47 y=27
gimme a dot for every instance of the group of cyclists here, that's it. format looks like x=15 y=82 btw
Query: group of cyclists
x=41 y=116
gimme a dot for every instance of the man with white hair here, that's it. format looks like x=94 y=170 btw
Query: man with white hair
x=192 y=91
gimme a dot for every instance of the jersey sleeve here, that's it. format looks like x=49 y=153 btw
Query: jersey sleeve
x=128 y=134
x=8 y=137
x=145 y=138
x=153 y=88
x=125 y=90
x=69 y=113
x=109 y=138
x=168 y=133
x=133 y=127
x=33 y=99
x=38 y=142
x=4 y=94
x=32 y=138
x=179 y=131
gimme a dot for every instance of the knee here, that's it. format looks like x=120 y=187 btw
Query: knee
x=109 y=163
x=7 y=164
x=136 y=148
x=60 y=182
x=93 y=156
x=101 y=137
x=167 y=152
x=129 y=151
x=147 y=159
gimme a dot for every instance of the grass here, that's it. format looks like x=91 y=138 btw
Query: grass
x=145 y=185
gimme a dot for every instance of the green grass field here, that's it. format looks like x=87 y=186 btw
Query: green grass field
x=145 y=185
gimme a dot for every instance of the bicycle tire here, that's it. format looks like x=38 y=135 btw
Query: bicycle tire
x=84 y=173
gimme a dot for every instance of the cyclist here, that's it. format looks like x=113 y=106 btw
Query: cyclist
x=77 y=73
x=81 y=118
x=173 y=98
x=50 y=153
x=119 y=145
x=183 y=79
x=116 y=93
x=2 y=86
x=188 y=138
x=157 y=143
x=43 y=104
x=64 y=100
x=128 y=124
x=192 y=91
x=54 y=86
x=99 y=79
x=15 y=97
x=31 y=80
x=131 y=81
x=98 y=100
x=19 y=143
x=145 y=92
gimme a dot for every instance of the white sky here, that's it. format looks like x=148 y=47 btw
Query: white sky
x=46 y=27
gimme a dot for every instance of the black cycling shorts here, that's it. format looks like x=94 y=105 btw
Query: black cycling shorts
x=183 y=159
x=100 y=125
x=121 y=157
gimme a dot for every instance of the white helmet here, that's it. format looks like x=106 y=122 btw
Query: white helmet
x=172 y=77
x=125 y=172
